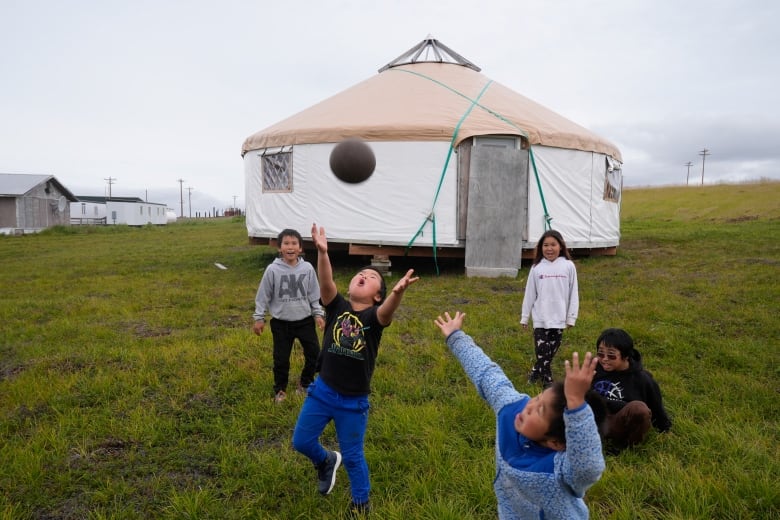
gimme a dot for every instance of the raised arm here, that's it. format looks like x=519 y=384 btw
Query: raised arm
x=583 y=461
x=385 y=311
x=490 y=380
x=578 y=379
x=448 y=324
x=328 y=287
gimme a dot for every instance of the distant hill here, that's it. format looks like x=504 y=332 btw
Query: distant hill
x=720 y=202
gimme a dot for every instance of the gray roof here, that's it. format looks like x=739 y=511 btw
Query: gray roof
x=103 y=199
x=18 y=184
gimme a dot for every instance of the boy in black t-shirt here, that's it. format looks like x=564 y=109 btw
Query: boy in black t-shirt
x=350 y=344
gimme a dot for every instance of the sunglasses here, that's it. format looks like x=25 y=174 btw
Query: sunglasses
x=602 y=355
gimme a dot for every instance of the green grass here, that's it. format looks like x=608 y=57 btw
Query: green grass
x=131 y=386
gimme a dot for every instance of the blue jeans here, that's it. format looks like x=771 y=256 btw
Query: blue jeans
x=350 y=417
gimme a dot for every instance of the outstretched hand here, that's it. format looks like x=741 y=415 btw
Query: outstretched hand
x=319 y=238
x=578 y=379
x=448 y=324
x=401 y=285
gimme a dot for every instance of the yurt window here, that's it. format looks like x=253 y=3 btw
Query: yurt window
x=613 y=181
x=497 y=141
x=276 y=170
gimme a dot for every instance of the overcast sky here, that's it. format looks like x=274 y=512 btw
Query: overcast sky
x=149 y=92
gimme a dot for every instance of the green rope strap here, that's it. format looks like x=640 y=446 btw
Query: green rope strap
x=547 y=217
x=432 y=215
x=474 y=103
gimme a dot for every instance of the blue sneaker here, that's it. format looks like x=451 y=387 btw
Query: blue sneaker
x=326 y=472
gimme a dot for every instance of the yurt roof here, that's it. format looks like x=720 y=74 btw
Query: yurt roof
x=429 y=93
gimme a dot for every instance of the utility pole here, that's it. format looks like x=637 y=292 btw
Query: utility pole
x=688 y=176
x=110 y=181
x=234 y=202
x=189 y=196
x=704 y=153
x=181 y=198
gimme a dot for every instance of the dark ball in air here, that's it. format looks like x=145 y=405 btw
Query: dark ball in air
x=352 y=160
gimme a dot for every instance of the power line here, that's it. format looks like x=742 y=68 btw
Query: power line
x=189 y=198
x=110 y=181
x=181 y=198
x=704 y=153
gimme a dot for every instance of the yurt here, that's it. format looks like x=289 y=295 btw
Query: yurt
x=465 y=167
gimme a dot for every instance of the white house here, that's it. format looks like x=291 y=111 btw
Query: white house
x=130 y=211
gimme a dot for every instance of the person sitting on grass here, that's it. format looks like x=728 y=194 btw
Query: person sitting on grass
x=548 y=448
x=633 y=397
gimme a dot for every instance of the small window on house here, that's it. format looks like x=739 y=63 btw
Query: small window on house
x=276 y=170
x=142 y=210
x=95 y=210
x=83 y=209
x=613 y=181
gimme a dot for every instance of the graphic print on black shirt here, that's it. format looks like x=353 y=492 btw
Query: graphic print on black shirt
x=609 y=390
x=349 y=347
x=348 y=335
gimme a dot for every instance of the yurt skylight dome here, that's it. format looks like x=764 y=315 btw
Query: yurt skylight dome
x=430 y=50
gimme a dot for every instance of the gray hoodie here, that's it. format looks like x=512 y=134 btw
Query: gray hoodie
x=288 y=292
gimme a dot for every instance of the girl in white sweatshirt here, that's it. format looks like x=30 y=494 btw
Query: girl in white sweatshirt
x=551 y=300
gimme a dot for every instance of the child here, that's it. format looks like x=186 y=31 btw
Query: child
x=633 y=397
x=350 y=345
x=548 y=449
x=289 y=292
x=552 y=298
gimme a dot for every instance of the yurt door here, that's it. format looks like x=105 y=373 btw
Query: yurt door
x=497 y=207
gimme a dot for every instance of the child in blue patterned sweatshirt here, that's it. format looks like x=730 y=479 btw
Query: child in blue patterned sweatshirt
x=548 y=448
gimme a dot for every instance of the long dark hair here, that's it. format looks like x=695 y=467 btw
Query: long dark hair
x=557 y=236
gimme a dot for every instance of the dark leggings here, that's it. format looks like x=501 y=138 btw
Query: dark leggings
x=285 y=333
x=546 y=344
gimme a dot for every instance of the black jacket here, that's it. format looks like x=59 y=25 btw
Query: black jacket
x=633 y=384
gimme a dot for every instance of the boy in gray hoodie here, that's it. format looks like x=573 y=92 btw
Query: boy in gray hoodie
x=290 y=293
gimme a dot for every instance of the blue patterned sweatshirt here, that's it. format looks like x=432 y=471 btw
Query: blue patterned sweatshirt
x=532 y=481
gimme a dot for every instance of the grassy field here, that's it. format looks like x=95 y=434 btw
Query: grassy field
x=131 y=386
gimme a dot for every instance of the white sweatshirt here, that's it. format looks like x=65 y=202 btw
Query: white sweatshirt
x=551 y=295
